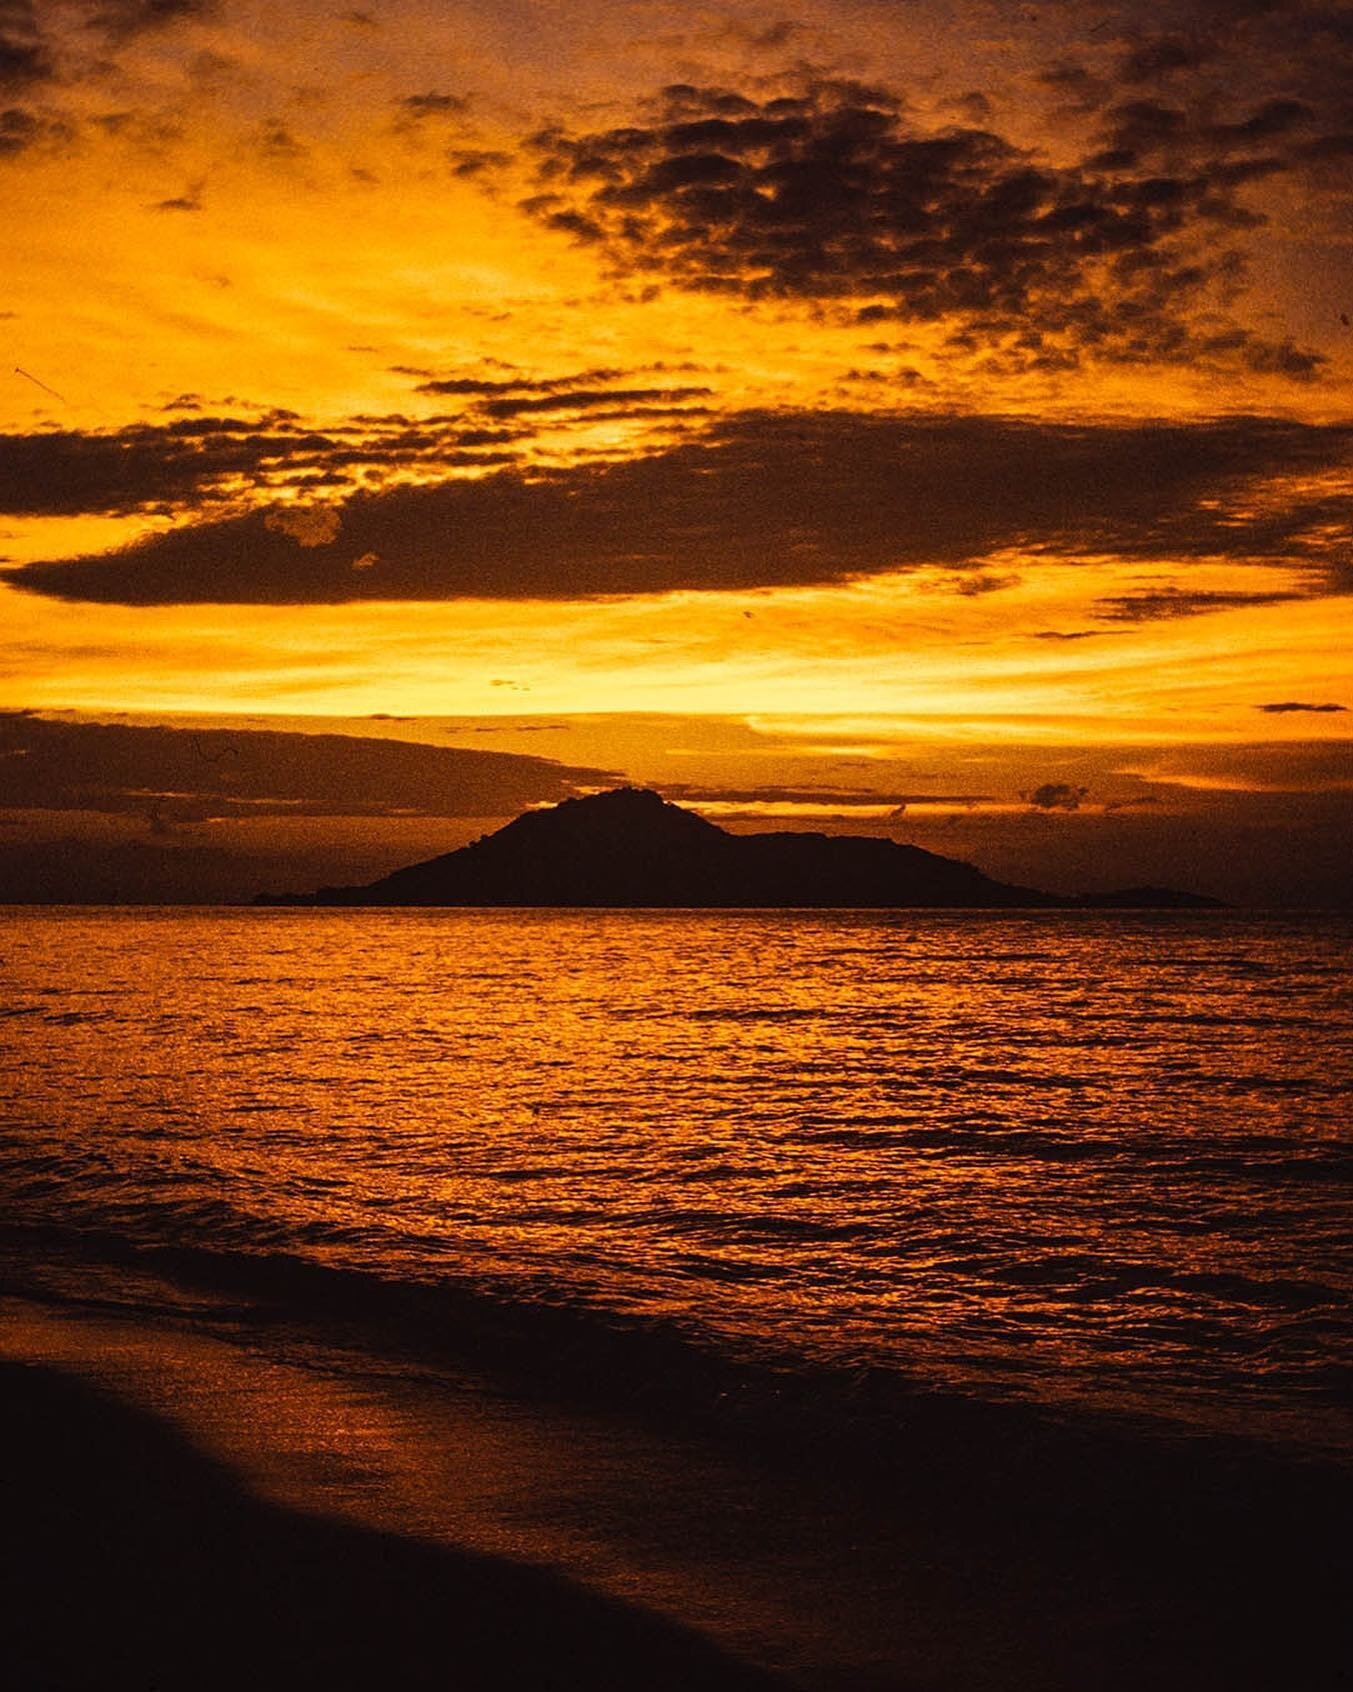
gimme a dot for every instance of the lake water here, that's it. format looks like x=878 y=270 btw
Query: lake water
x=1098 y=1164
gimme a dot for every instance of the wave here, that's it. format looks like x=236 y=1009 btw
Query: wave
x=560 y=1347
x=534 y=1341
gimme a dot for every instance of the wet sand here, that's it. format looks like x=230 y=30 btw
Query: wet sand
x=133 y=1561
x=182 y=1511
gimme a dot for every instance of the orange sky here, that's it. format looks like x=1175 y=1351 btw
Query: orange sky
x=867 y=389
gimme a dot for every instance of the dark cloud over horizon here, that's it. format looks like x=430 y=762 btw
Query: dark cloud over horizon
x=174 y=776
x=765 y=499
x=711 y=793
x=1056 y=796
x=122 y=810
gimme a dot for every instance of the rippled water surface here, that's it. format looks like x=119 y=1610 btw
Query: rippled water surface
x=1076 y=1159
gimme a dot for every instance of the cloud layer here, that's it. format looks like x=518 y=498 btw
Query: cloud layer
x=171 y=776
x=834 y=194
x=199 y=457
x=768 y=499
x=196 y=461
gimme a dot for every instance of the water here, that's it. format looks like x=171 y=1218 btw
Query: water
x=1098 y=1164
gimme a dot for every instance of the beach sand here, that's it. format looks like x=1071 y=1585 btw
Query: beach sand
x=182 y=1512
x=133 y=1561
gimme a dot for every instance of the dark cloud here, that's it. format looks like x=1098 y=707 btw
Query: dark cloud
x=1286 y=706
x=1311 y=766
x=834 y=196
x=758 y=499
x=1143 y=130
x=1233 y=11
x=1077 y=89
x=275 y=141
x=468 y=162
x=432 y=105
x=1157 y=605
x=22 y=131
x=35 y=56
x=210 y=458
x=1156 y=57
x=67 y=472
x=691 y=793
x=1056 y=796
x=492 y=387
x=1327 y=148
x=1236 y=89
x=583 y=399
x=19 y=130
x=22 y=63
x=189 y=202
x=1248 y=848
x=25 y=60
x=173 y=776
x=197 y=459
x=121 y=20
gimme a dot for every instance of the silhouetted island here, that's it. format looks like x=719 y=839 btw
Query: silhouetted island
x=629 y=847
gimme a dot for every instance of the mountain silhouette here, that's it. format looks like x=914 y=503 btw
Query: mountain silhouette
x=629 y=847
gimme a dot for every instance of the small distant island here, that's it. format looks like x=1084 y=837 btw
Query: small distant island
x=629 y=847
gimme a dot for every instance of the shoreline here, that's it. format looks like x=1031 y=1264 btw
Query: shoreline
x=1035 y=1566
x=136 y=1561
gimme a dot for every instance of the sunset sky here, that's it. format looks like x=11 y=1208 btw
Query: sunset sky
x=931 y=417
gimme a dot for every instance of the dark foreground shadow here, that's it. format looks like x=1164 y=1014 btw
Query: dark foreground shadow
x=131 y=1561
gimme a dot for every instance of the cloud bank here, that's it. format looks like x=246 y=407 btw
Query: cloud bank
x=171 y=776
x=763 y=499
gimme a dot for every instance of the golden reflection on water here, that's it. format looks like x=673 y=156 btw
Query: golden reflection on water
x=1051 y=1155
